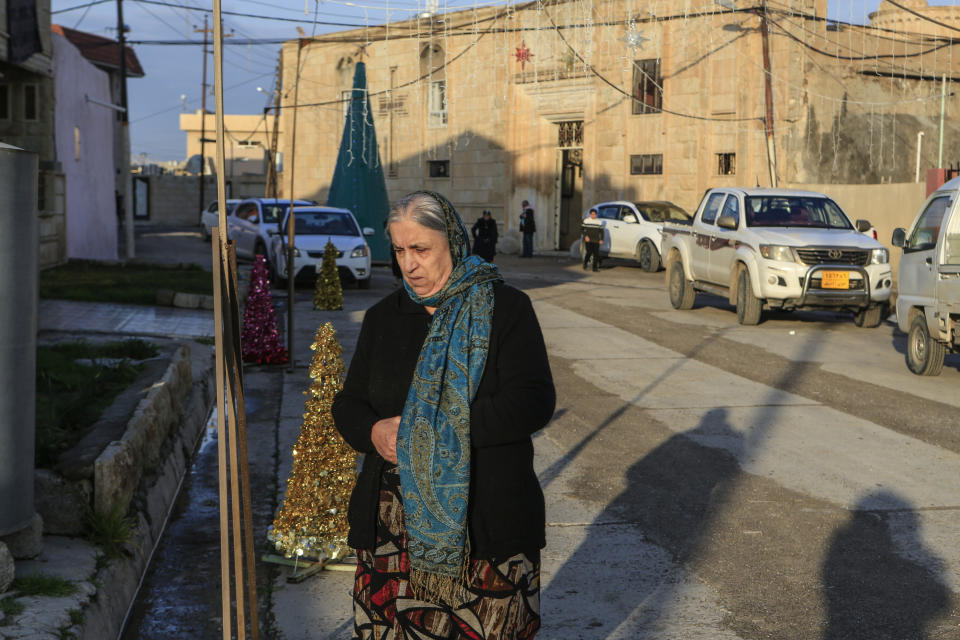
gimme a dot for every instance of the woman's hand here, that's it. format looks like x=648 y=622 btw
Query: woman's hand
x=383 y=434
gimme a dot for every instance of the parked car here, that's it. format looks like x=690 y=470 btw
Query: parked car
x=210 y=218
x=254 y=223
x=928 y=281
x=313 y=227
x=779 y=249
x=634 y=230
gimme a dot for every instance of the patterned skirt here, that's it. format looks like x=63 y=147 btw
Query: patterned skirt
x=505 y=594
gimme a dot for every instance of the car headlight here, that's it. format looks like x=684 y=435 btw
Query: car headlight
x=777 y=252
x=360 y=251
x=879 y=256
x=296 y=252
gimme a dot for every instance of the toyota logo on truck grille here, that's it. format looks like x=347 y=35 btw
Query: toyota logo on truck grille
x=834 y=254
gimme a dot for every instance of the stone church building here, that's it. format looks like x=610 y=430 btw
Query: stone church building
x=566 y=103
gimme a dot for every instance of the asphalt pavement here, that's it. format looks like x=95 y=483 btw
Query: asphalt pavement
x=703 y=479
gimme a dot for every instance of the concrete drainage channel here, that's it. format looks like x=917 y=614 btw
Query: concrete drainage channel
x=138 y=472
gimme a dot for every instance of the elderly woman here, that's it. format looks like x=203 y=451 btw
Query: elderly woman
x=448 y=381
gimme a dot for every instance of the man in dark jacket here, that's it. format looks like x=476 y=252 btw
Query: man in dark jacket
x=527 y=227
x=485 y=236
x=592 y=230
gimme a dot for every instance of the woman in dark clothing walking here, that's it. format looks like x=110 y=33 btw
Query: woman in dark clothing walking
x=485 y=236
x=448 y=382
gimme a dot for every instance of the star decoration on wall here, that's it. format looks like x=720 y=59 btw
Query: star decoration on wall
x=634 y=38
x=523 y=55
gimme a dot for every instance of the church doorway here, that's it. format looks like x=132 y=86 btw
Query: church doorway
x=570 y=203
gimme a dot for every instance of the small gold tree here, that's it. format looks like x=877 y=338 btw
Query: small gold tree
x=313 y=519
x=328 y=294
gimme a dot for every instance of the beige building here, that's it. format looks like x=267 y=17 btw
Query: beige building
x=566 y=103
x=247 y=144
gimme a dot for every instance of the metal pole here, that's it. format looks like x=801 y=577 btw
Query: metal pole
x=203 y=122
x=272 y=155
x=290 y=227
x=943 y=110
x=919 y=144
x=768 y=88
x=124 y=135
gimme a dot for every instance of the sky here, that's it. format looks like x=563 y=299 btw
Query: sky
x=172 y=83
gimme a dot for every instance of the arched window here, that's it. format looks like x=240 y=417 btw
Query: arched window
x=434 y=77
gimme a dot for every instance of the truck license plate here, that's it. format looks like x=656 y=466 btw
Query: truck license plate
x=834 y=279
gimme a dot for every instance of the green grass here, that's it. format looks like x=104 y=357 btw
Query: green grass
x=132 y=283
x=109 y=531
x=9 y=607
x=43 y=584
x=71 y=396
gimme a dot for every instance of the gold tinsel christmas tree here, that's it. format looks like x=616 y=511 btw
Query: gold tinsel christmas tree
x=313 y=519
x=328 y=294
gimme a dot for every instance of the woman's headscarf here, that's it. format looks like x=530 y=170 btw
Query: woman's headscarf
x=433 y=442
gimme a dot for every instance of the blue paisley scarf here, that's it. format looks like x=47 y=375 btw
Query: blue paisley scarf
x=433 y=443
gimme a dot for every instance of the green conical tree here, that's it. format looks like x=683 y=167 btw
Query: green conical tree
x=328 y=294
x=358 y=183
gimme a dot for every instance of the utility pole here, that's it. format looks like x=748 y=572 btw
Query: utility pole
x=291 y=293
x=272 y=157
x=768 y=87
x=203 y=117
x=124 y=135
x=943 y=110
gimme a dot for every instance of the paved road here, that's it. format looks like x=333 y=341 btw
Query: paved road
x=703 y=480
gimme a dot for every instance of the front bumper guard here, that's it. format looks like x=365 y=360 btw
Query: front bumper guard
x=835 y=297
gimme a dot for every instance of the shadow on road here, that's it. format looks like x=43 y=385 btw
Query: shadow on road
x=674 y=497
x=871 y=591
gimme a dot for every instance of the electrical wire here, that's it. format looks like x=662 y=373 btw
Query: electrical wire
x=591 y=69
x=195 y=100
x=923 y=17
x=80 y=6
x=248 y=15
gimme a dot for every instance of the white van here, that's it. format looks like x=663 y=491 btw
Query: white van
x=928 y=302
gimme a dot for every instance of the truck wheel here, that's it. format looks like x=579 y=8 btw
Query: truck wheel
x=648 y=257
x=365 y=283
x=869 y=317
x=749 y=306
x=924 y=354
x=682 y=294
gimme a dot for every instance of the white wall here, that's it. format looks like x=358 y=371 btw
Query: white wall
x=91 y=208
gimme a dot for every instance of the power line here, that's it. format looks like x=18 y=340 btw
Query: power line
x=81 y=6
x=616 y=88
x=923 y=17
x=249 y=15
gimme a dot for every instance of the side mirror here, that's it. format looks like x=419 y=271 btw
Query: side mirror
x=368 y=231
x=254 y=219
x=631 y=218
x=727 y=221
x=899 y=237
x=863 y=225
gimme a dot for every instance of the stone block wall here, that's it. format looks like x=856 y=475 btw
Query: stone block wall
x=174 y=200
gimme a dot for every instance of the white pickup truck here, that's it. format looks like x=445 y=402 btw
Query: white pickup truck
x=928 y=281
x=777 y=248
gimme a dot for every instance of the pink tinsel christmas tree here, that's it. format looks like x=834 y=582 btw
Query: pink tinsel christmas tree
x=260 y=340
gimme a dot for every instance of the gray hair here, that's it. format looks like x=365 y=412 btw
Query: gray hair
x=420 y=208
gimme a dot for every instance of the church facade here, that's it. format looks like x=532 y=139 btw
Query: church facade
x=568 y=103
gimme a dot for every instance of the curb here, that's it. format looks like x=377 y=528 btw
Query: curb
x=146 y=467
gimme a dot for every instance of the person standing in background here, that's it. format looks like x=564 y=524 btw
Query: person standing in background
x=592 y=230
x=485 y=236
x=528 y=227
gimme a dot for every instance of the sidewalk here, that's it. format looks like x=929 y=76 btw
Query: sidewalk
x=129 y=319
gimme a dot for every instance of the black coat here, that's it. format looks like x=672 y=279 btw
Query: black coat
x=515 y=399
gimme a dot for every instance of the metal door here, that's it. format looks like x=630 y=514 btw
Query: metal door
x=916 y=275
